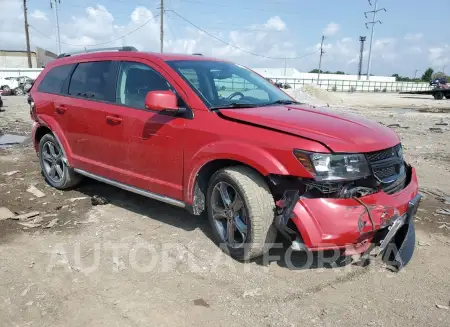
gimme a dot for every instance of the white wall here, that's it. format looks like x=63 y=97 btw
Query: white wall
x=294 y=73
x=16 y=60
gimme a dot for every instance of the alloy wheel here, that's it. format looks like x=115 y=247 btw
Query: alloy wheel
x=53 y=161
x=229 y=215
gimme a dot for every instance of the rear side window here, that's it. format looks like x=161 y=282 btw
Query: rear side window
x=53 y=81
x=91 y=80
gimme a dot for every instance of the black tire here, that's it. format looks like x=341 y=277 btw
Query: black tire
x=19 y=91
x=69 y=179
x=438 y=95
x=447 y=96
x=6 y=89
x=258 y=204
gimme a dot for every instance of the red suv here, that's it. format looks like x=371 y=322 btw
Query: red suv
x=209 y=135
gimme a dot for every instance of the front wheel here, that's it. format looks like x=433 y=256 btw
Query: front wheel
x=241 y=210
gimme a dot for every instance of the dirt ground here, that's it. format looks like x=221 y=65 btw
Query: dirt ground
x=138 y=262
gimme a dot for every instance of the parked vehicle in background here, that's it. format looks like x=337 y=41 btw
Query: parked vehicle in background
x=16 y=85
x=1 y=102
x=251 y=157
x=8 y=85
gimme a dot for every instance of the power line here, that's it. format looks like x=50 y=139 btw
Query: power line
x=27 y=34
x=236 y=47
x=373 y=22
x=320 y=59
x=161 y=22
x=103 y=43
x=242 y=8
x=54 y=4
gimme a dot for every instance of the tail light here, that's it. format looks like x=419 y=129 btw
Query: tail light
x=32 y=104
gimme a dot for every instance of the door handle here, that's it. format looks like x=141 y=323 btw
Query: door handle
x=60 y=109
x=113 y=119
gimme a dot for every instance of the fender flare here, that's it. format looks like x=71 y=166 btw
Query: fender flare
x=255 y=157
x=53 y=125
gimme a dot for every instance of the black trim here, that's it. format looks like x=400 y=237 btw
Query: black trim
x=221 y=115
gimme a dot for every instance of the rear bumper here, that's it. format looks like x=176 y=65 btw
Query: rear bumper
x=36 y=125
x=326 y=224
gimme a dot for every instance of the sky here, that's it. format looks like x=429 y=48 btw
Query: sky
x=410 y=37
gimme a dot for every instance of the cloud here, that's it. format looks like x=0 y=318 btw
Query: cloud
x=38 y=14
x=413 y=37
x=439 y=56
x=331 y=29
x=275 y=23
x=96 y=26
x=382 y=44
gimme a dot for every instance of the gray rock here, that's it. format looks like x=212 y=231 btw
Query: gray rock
x=5 y=213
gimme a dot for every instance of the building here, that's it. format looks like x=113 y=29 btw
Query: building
x=19 y=59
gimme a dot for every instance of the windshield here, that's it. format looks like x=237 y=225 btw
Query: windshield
x=223 y=84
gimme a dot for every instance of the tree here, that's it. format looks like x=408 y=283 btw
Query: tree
x=339 y=73
x=314 y=71
x=439 y=75
x=426 y=77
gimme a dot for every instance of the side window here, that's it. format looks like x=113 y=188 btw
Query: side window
x=54 y=79
x=135 y=81
x=90 y=80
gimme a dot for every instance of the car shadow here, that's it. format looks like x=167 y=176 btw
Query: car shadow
x=141 y=205
x=280 y=254
x=283 y=256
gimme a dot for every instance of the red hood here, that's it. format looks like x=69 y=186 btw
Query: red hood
x=340 y=132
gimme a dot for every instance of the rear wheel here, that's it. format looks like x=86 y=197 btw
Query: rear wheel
x=54 y=164
x=241 y=211
x=447 y=96
x=438 y=95
x=6 y=89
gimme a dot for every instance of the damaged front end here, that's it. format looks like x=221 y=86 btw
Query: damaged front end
x=354 y=216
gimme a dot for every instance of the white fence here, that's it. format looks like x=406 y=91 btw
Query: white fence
x=356 y=86
x=15 y=72
x=236 y=83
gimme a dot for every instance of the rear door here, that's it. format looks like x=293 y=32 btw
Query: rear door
x=94 y=128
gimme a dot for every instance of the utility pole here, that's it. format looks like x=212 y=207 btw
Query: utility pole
x=415 y=73
x=161 y=33
x=362 y=39
x=54 y=5
x=372 y=23
x=27 y=34
x=320 y=60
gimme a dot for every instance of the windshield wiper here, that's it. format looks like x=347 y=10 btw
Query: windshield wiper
x=234 y=105
x=281 y=102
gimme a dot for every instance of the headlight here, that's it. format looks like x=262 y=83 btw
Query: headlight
x=334 y=167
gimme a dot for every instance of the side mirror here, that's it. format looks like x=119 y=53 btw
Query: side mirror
x=161 y=100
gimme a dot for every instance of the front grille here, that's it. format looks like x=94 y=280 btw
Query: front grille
x=381 y=155
x=386 y=172
x=386 y=166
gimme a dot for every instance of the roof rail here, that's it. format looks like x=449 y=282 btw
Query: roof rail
x=125 y=48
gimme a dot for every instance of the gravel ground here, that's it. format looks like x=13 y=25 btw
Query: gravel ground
x=137 y=262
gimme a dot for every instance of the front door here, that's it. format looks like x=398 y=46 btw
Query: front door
x=152 y=149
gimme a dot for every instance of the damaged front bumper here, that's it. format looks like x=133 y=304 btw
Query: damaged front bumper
x=355 y=225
